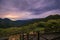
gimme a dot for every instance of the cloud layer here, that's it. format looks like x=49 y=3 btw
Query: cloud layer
x=27 y=9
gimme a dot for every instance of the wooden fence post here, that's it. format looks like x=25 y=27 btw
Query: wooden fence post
x=38 y=34
x=27 y=36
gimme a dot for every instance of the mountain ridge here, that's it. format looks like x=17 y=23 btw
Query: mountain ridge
x=6 y=23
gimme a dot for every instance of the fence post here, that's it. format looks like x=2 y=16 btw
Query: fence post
x=22 y=36
x=27 y=36
x=38 y=34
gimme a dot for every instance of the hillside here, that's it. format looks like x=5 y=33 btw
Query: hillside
x=6 y=23
x=50 y=24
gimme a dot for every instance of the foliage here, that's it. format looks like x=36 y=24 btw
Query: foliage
x=49 y=25
x=52 y=26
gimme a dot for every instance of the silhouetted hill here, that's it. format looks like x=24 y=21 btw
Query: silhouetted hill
x=6 y=23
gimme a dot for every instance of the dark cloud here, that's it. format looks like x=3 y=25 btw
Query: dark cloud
x=36 y=7
x=31 y=4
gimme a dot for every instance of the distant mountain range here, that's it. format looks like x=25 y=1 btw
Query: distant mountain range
x=6 y=23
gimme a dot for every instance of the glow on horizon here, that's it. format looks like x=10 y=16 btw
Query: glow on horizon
x=28 y=9
x=11 y=16
x=16 y=15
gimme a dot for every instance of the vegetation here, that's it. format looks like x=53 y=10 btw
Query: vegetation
x=50 y=24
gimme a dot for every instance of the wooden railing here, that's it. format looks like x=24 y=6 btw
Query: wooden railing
x=34 y=36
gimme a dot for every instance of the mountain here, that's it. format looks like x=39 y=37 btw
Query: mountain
x=6 y=23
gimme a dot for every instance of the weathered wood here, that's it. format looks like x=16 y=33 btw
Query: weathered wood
x=14 y=37
x=38 y=36
x=27 y=36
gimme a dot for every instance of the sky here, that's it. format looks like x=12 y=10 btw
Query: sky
x=28 y=9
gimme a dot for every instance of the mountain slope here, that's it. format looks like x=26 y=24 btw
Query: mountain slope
x=6 y=23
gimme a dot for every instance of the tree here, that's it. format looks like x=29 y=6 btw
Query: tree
x=52 y=26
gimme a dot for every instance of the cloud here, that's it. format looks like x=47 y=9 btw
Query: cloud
x=15 y=15
x=45 y=14
x=28 y=9
x=26 y=5
x=23 y=15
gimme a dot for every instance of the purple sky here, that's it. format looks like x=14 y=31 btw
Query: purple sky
x=28 y=9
